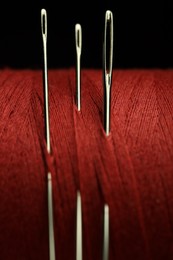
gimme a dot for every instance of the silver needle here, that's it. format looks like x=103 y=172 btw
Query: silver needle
x=46 y=106
x=46 y=97
x=79 y=228
x=50 y=219
x=78 y=38
x=106 y=233
x=107 y=73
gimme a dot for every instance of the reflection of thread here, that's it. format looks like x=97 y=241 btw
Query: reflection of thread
x=131 y=170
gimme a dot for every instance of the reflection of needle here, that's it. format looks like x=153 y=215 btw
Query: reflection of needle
x=79 y=228
x=107 y=69
x=47 y=128
x=106 y=233
x=78 y=38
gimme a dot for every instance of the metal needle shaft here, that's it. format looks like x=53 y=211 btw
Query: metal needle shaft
x=47 y=128
x=45 y=75
x=78 y=38
x=79 y=228
x=106 y=233
x=107 y=69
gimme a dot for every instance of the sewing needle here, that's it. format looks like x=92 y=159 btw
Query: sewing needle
x=79 y=228
x=47 y=128
x=106 y=233
x=46 y=99
x=78 y=38
x=107 y=68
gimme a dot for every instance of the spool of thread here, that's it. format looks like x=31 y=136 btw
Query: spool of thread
x=131 y=170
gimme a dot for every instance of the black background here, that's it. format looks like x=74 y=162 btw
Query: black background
x=143 y=33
